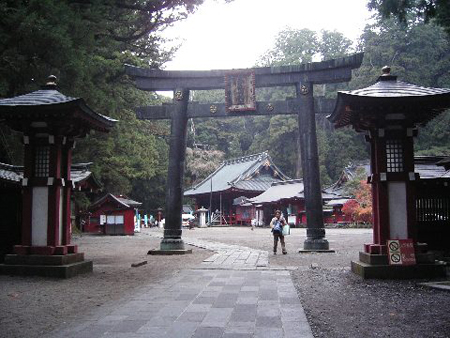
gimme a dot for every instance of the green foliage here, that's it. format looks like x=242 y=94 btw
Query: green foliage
x=292 y=47
x=86 y=43
x=279 y=134
x=419 y=54
x=200 y=163
x=410 y=11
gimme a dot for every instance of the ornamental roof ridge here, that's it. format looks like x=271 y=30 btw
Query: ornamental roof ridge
x=38 y=97
x=246 y=158
x=292 y=181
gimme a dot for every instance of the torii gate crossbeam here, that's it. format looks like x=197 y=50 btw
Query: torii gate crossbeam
x=303 y=77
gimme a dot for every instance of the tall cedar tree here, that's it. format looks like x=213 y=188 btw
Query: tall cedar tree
x=86 y=43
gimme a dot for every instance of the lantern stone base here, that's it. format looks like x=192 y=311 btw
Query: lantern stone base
x=376 y=266
x=316 y=245
x=59 y=266
x=168 y=244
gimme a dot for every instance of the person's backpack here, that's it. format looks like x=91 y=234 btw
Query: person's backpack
x=277 y=227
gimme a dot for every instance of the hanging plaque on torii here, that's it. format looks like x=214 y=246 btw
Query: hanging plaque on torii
x=239 y=86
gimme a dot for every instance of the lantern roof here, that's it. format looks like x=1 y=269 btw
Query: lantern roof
x=388 y=100
x=52 y=109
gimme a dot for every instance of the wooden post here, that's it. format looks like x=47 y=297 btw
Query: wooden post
x=315 y=231
x=174 y=197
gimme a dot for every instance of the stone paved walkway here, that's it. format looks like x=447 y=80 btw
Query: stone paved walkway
x=232 y=294
x=229 y=256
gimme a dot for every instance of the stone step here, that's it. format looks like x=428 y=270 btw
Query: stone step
x=13 y=259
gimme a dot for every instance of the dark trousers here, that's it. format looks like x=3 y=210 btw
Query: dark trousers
x=277 y=235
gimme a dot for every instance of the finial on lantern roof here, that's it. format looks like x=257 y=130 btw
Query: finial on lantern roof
x=386 y=70
x=386 y=74
x=51 y=82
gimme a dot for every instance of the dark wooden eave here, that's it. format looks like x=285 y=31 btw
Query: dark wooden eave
x=71 y=116
x=367 y=108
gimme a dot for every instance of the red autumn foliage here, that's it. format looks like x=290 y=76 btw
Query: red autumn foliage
x=360 y=208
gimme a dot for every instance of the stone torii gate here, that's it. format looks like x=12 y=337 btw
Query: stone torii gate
x=239 y=86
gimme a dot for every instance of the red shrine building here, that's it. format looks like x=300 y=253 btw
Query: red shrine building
x=112 y=215
x=235 y=179
x=390 y=112
x=252 y=187
x=50 y=123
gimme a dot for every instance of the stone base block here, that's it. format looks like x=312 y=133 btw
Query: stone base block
x=13 y=259
x=373 y=259
x=42 y=250
x=169 y=252
x=60 y=250
x=316 y=244
x=58 y=271
x=172 y=244
x=419 y=271
x=59 y=266
x=318 y=251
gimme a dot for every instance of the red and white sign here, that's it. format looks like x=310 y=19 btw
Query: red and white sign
x=401 y=252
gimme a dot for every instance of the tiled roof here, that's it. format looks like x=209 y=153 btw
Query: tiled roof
x=14 y=174
x=292 y=189
x=128 y=201
x=428 y=167
x=11 y=173
x=362 y=107
x=122 y=200
x=390 y=87
x=280 y=190
x=38 y=98
x=250 y=173
x=50 y=100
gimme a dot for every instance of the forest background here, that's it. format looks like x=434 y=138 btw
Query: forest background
x=86 y=43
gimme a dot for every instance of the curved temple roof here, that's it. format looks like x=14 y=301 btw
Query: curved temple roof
x=363 y=108
x=244 y=173
x=50 y=104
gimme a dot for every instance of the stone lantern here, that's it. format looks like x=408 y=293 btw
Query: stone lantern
x=389 y=112
x=50 y=123
x=202 y=217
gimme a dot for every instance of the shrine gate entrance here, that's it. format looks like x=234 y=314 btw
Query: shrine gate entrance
x=239 y=87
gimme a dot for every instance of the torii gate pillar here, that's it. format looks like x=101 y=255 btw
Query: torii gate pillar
x=172 y=242
x=303 y=77
x=315 y=231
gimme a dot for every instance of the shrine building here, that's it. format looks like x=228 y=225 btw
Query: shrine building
x=246 y=176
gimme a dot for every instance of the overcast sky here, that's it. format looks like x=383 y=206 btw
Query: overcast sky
x=234 y=35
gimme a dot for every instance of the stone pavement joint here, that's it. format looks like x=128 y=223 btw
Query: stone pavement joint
x=233 y=293
x=202 y=303
x=228 y=256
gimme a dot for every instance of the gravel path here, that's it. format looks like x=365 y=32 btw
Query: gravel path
x=337 y=303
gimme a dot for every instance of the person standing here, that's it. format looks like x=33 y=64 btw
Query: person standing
x=277 y=223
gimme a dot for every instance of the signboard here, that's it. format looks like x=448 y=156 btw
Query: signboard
x=240 y=91
x=102 y=219
x=401 y=252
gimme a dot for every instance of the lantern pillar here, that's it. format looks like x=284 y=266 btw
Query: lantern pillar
x=392 y=180
x=46 y=196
